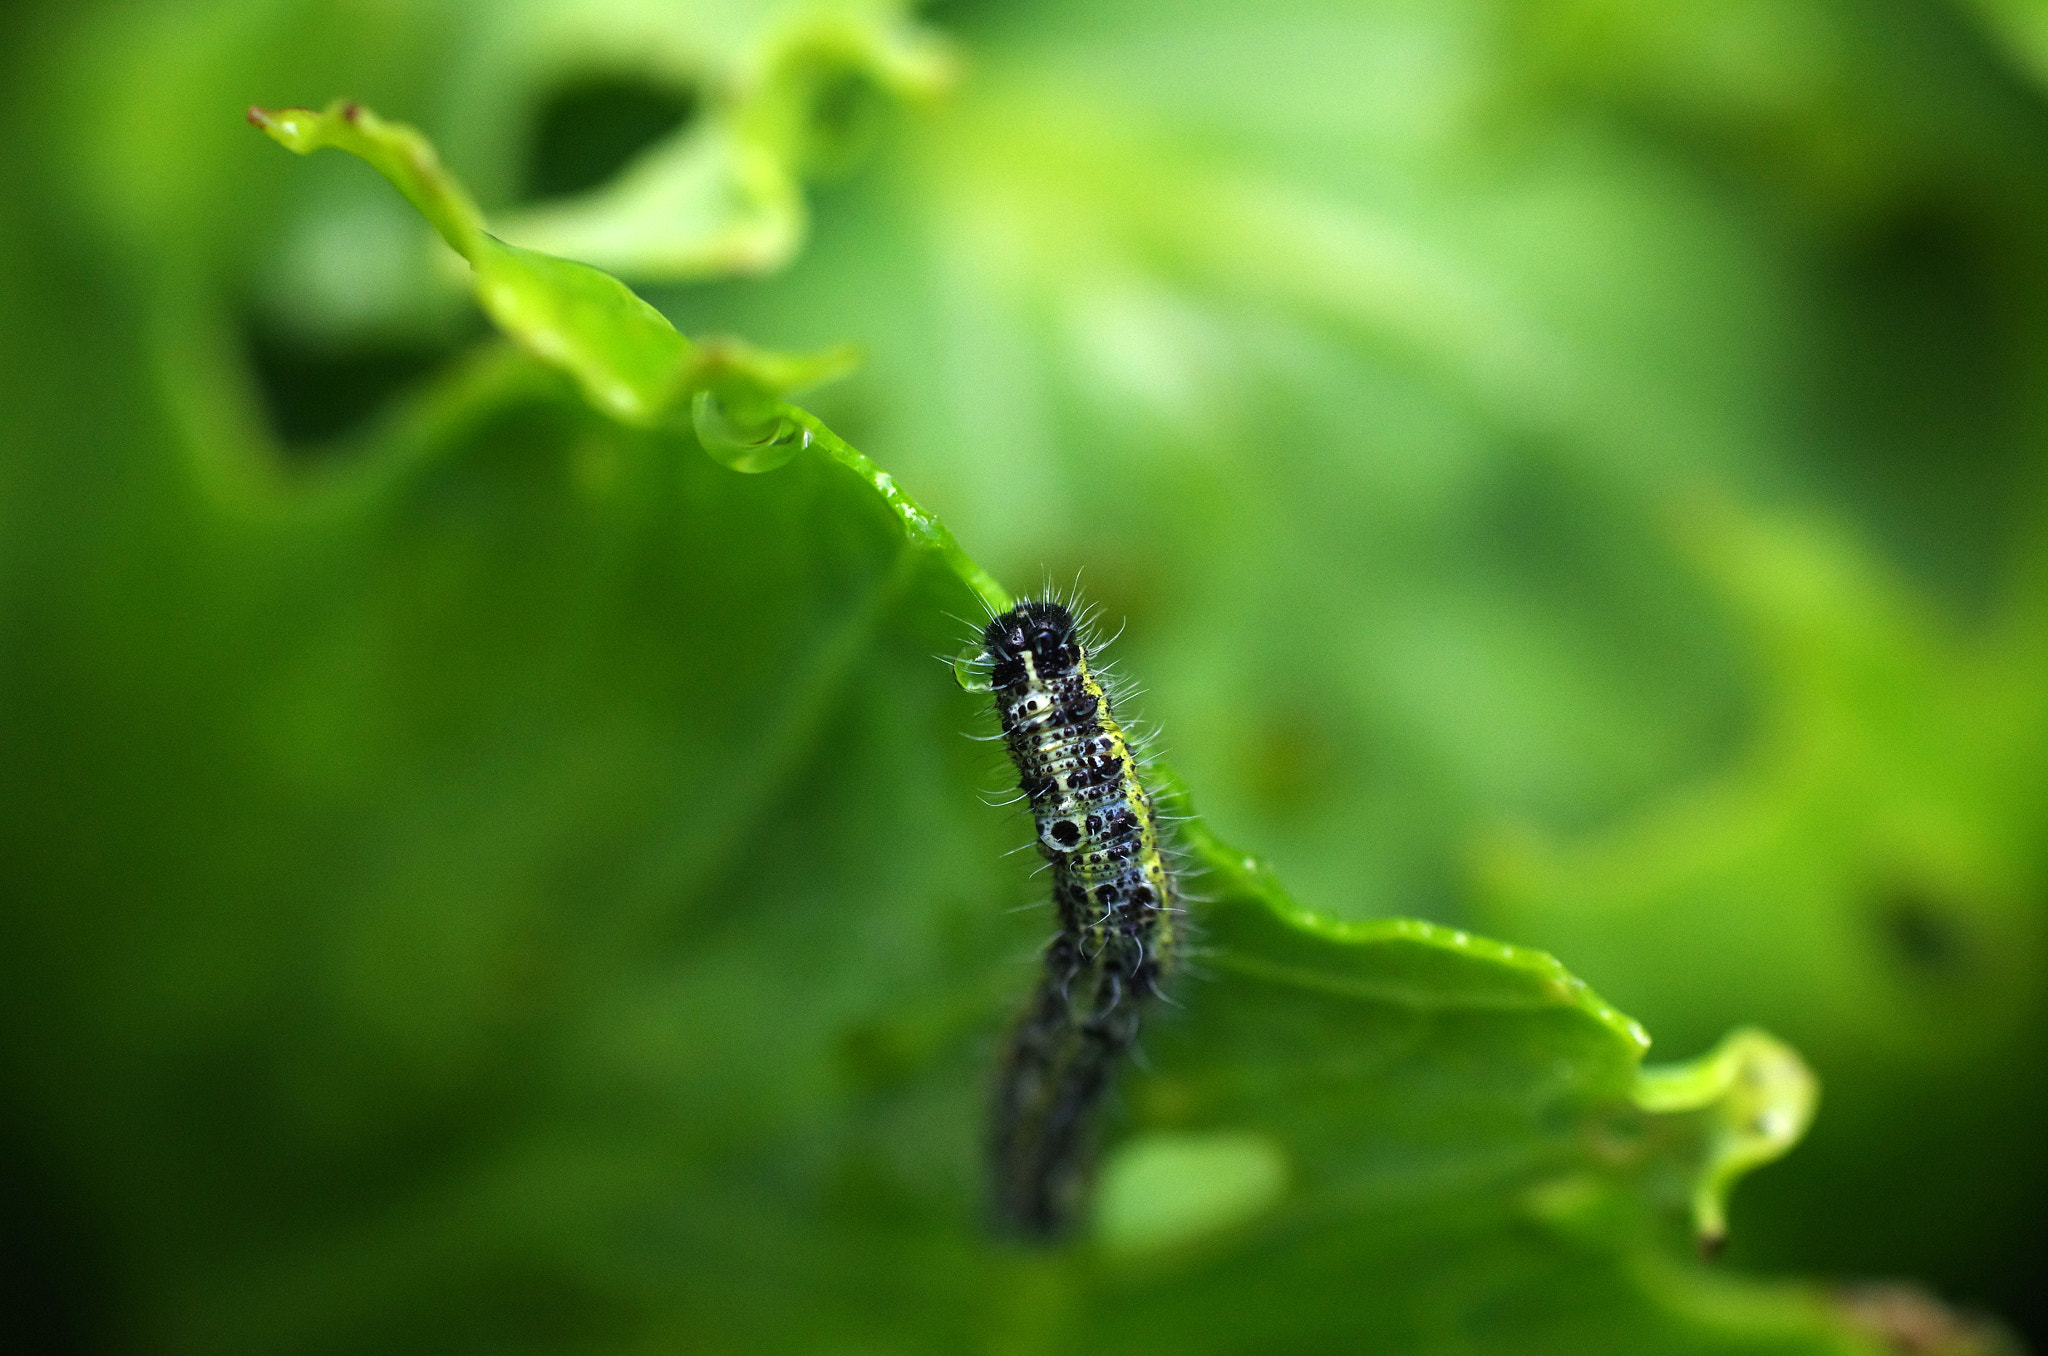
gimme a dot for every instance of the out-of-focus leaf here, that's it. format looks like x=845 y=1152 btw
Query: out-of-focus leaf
x=1220 y=345
x=1864 y=879
x=547 y=912
x=771 y=92
x=722 y=194
x=1386 y=496
x=1382 y=590
x=624 y=355
x=1485 y=1010
x=2021 y=26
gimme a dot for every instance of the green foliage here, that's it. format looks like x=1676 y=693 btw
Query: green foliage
x=624 y=355
x=501 y=880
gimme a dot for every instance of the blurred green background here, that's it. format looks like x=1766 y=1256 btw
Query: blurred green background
x=1571 y=469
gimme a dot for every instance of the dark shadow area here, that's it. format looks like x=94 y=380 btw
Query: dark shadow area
x=846 y=115
x=1924 y=932
x=1928 y=389
x=585 y=133
x=316 y=395
x=52 y=1274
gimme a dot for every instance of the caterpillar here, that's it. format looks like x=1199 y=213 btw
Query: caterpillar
x=1114 y=893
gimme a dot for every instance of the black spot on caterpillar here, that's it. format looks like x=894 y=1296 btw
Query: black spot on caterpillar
x=1114 y=892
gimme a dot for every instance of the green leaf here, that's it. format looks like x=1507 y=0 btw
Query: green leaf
x=522 y=891
x=1858 y=878
x=1362 y=356
x=626 y=357
x=722 y=194
x=1762 y=1099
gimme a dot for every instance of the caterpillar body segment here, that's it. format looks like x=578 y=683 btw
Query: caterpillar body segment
x=1116 y=902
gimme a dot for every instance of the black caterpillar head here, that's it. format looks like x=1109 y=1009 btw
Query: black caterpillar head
x=1043 y=630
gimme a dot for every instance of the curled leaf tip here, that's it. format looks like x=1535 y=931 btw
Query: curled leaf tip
x=1754 y=1098
x=624 y=355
